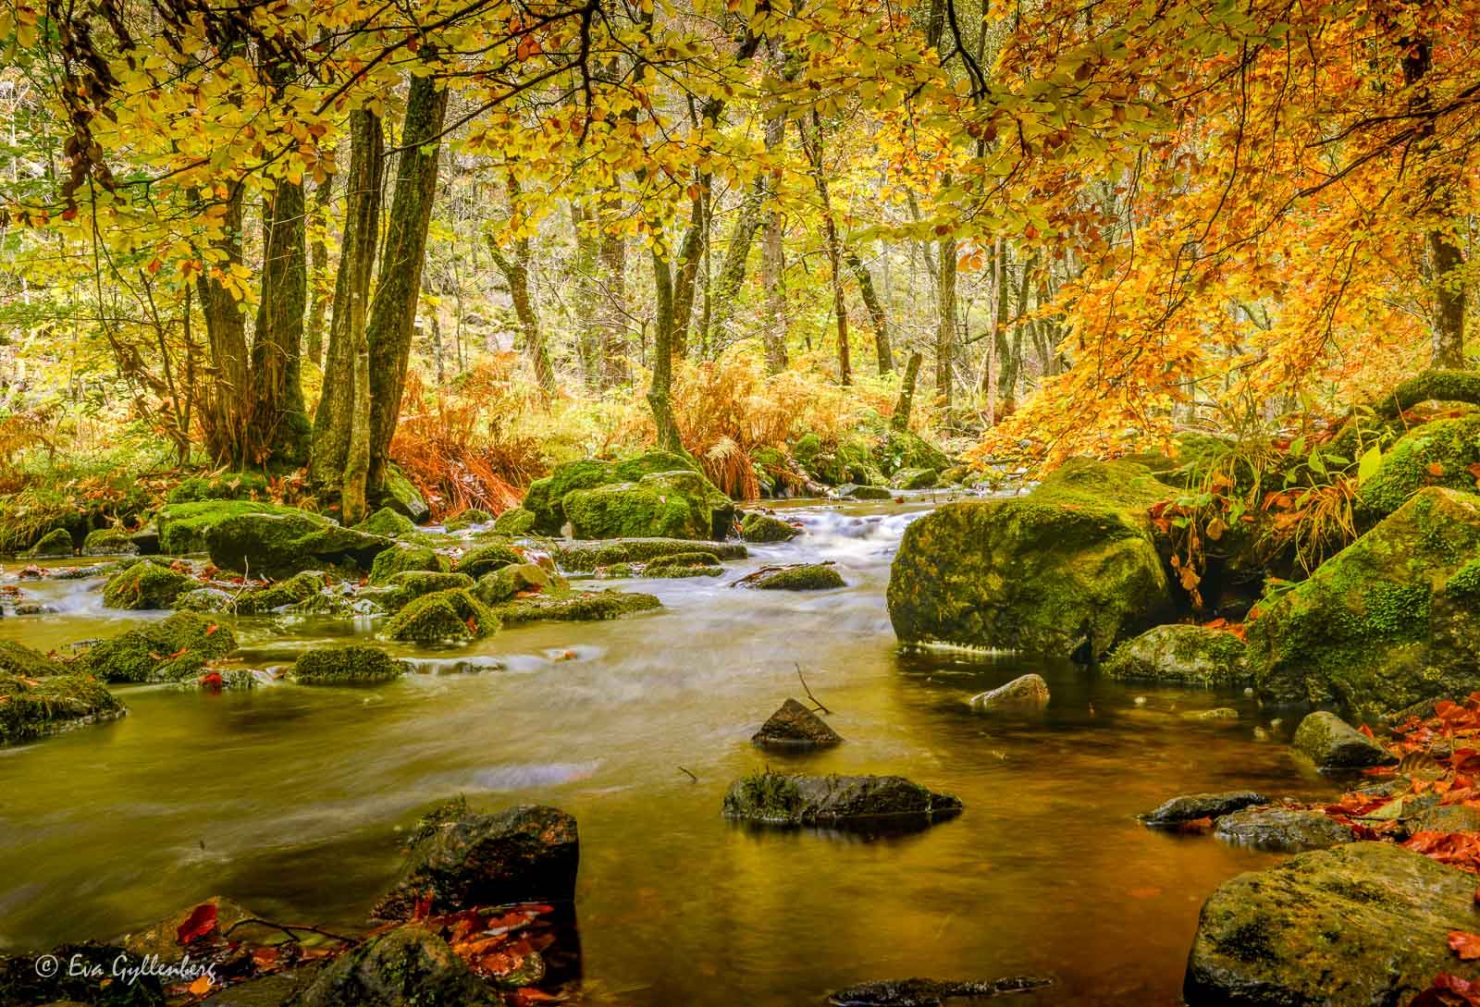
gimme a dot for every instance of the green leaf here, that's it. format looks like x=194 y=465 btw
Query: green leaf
x=1370 y=463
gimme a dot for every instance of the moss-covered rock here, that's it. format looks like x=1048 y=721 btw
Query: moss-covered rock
x=32 y=708
x=584 y=557
x=222 y=486
x=803 y=577
x=902 y=450
x=1068 y=570
x=1438 y=453
x=352 y=664
x=685 y=564
x=110 y=542
x=839 y=802
x=403 y=587
x=681 y=504
x=1356 y=926
x=406 y=967
x=1191 y=807
x=205 y=599
x=294 y=591
x=854 y=491
x=488 y=557
x=1181 y=654
x=164 y=651
x=915 y=479
x=852 y=459
x=545 y=497
x=1334 y=745
x=145 y=585
x=509 y=582
x=575 y=606
x=1358 y=633
x=183 y=526
x=55 y=544
x=468 y=518
x=453 y=616
x=281 y=544
x=402 y=558
x=1024 y=694
x=1283 y=830
x=758 y=527
x=401 y=495
x=517 y=521
x=18 y=659
x=388 y=523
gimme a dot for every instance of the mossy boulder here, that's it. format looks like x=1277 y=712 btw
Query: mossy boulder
x=468 y=518
x=803 y=577
x=183 y=526
x=574 y=606
x=486 y=558
x=1361 y=925
x=32 y=708
x=1334 y=745
x=55 y=544
x=516 y=521
x=401 y=495
x=452 y=616
x=281 y=544
x=852 y=459
x=164 y=651
x=293 y=592
x=387 y=522
x=409 y=966
x=1438 y=453
x=545 y=497
x=222 y=486
x=401 y=558
x=110 y=542
x=509 y=582
x=758 y=527
x=1283 y=830
x=855 y=491
x=1069 y=570
x=914 y=479
x=145 y=585
x=352 y=664
x=18 y=659
x=903 y=450
x=584 y=557
x=401 y=588
x=840 y=802
x=1379 y=626
x=679 y=504
x=1181 y=654
x=685 y=564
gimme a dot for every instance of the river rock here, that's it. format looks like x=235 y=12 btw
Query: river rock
x=758 y=527
x=914 y=479
x=280 y=545
x=451 y=616
x=1282 y=830
x=388 y=522
x=1333 y=744
x=545 y=497
x=1191 y=807
x=574 y=606
x=929 y=992
x=404 y=557
x=516 y=521
x=1068 y=570
x=509 y=582
x=408 y=967
x=1390 y=620
x=182 y=526
x=462 y=859
x=685 y=564
x=166 y=651
x=353 y=664
x=840 y=802
x=470 y=518
x=677 y=504
x=400 y=494
x=18 y=659
x=403 y=587
x=55 y=544
x=794 y=726
x=488 y=557
x=1180 y=654
x=145 y=584
x=584 y=557
x=853 y=491
x=33 y=708
x=803 y=577
x=1025 y=694
x=110 y=542
x=1360 y=925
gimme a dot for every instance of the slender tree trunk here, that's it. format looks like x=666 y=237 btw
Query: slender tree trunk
x=345 y=396
x=532 y=339
x=614 y=369
x=945 y=332
x=226 y=416
x=318 y=268
x=690 y=255
x=737 y=252
x=659 y=394
x=280 y=418
x=877 y=316
x=393 y=311
x=906 y=401
x=583 y=266
x=834 y=249
x=773 y=262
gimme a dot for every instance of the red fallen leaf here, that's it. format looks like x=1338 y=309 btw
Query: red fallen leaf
x=1448 y=991
x=1365 y=730
x=1436 y=469
x=1466 y=945
x=211 y=629
x=201 y=986
x=200 y=922
x=211 y=680
x=530 y=995
x=265 y=958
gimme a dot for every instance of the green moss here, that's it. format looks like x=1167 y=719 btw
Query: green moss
x=401 y=495
x=486 y=558
x=53 y=545
x=765 y=796
x=757 y=527
x=225 y=486
x=582 y=557
x=1465 y=582
x=902 y=450
x=282 y=543
x=452 y=616
x=810 y=577
x=509 y=581
x=680 y=504
x=401 y=558
x=1180 y=654
x=575 y=606
x=30 y=708
x=545 y=497
x=410 y=584
x=651 y=462
x=915 y=479
x=354 y=664
x=685 y=564
x=467 y=519
x=1435 y=454
x=160 y=651
x=183 y=526
x=518 y=521
x=109 y=542
x=18 y=659
x=145 y=585
x=387 y=522
x=296 y=590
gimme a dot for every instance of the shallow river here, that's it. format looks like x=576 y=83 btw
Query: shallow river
x=287 y=799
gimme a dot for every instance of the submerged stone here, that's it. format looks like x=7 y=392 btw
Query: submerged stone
x=842 y=802
x=1191 y=807
x=32 y=708
x=452 y=616
x=804 y=577
x=1025 y=694
x=353 y=664
x=407 y=967
x=460 y=859
x=165 y=651
x=1333 y=744
x=794 y=726
x=1360 y=925
x=145 y=585
x=1181 y=654
x=1283 y=830
x=757 y=527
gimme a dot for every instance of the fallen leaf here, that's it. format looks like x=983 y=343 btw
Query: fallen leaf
x=200 y=922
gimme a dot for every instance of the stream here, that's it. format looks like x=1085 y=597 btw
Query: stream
x=287 y=799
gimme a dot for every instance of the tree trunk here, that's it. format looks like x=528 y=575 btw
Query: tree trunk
x=344 y=396
x=226 y=416
x=393 y=311
x=280 y=419
x=945 y=331
x=318 y=269
x=773 y=263
x=583 y=266
x=516 y=271
x=614 y=311
x=876 y=314
x=906 y=401
x=690 y=254
x=834 y=250
x=732 y=271
x=659 y=394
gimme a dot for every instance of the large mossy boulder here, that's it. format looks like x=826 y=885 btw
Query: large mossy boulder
x=32 y=708
x=404 y=587
x=55 y=544
x=401 y=495
x=1334 y=745
x=401 y=558
x=387 y=522
x=487 y=557
x=110 y=542
x=841 y=802
x=351 y=664
x=221 y=486
x=166 y=651
x=764 y=528
x=1361 y=925
x=1181 y=654
x=677 y=504
x=1390 y=620
x=145 y=585
x=183 y=526
x=1068 y=570
x=460 y=859
x=1438 y=453
x=409 y=966
x=281 y=544
x=451 y=616
x=545 y=498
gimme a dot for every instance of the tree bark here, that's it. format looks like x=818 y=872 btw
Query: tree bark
x=318 y=268
x=834 y=249
x=773 y=262
x=877 y=316
x=516 y=271
x=393 y=311
x=226 y=416
x=945 y=332
x=659 y=394
x=280 y=419
x=906 y=401
x=614 y=369
x=737 y=252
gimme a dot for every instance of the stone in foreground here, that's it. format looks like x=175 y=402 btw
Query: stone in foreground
x=463 y=859
x=1025 y=694
x=929 y=992
x=1181 y=654
x=868 y=803
x=407 y=967
x=1191 y=807
x=32 y=708
x=1362 y=925
x=1333 y=744
x=1283 y=830
x=794 y=726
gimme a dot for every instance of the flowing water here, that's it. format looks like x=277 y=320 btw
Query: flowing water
x=287 y=799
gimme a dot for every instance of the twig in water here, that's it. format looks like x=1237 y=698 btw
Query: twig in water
x=291 y=929
x=817 y=702
x=690 y=775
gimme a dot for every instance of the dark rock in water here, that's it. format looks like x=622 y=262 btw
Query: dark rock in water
x=1025 y=694
x=1180 y=654
x=1283 y=830
x=929 y=992
x=1361 y=925
x=91 y=981
x=407 y=967
x=842 y=802
x=461 y=859
x=354 y=664
x=795 y=726
x=1191 y=807
x=1333 y=744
